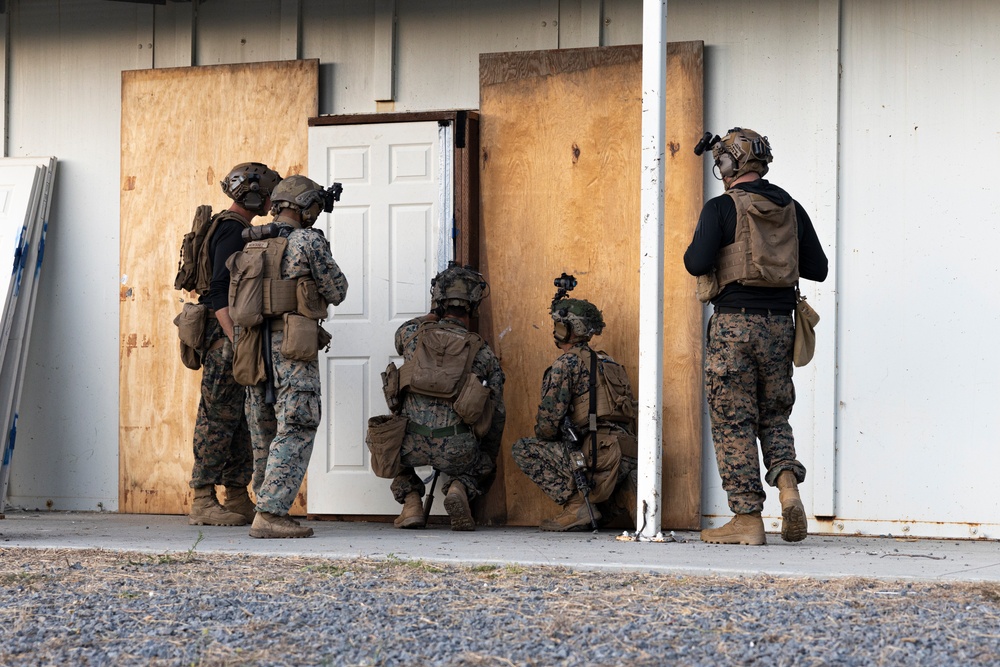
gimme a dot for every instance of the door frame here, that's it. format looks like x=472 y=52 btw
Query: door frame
x=490 y=509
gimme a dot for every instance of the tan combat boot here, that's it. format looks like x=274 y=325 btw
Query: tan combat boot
x=206 y=510
x=742 y=529
x=794 y=526
x=267 y=525
x=412 y=515
x=574 y=515
x=238 y=501
x=456 y=503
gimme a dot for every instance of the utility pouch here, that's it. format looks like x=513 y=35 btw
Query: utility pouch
x=708 y=287
x=806 y=320
x=628 y=444
x=301 y=338
x=246 y=288
x=609 y=456
x=471 y=399
x=308 y=301
x=191 y=325
x=485 y=420
x=385 y=440
x=248 y=364
x=390 y=387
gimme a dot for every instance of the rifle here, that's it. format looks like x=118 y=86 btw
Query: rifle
x=268 y=368
x=429 y=500
x=579 y=464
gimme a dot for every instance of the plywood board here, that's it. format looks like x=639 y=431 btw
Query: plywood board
x=560 y=177
x=183 y=129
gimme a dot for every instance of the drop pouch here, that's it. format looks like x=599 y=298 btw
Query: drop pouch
x=191 y=323
x=806 y=320
x=385 y=440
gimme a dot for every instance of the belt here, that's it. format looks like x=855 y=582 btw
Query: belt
x=219 y=342
x=443 y=432
x=277 y=324
x=766 y=312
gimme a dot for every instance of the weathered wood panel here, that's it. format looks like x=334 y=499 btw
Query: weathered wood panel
x=560 y=172
x=182 y=130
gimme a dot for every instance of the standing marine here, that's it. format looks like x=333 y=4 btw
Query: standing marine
x=301 y=281
x=751 y=246
x=587 y=406
x=451 y=392
x=222 y=454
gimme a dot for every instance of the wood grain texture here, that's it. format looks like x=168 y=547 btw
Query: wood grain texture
x=560 y=179
x=183 y=129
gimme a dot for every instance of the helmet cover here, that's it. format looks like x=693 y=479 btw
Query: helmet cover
x=581 y=319
x=301 y=194
x=249 y=184
x=740 y=152
x=458 y=286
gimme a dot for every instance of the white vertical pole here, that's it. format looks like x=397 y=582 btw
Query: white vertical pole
x=650 y=427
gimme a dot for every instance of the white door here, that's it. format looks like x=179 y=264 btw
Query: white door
x=390 y=234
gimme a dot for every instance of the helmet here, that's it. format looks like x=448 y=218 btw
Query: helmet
x=740 y=152
x=576 y=319
x=249 y=184
x=458 y=286
x=300 y=194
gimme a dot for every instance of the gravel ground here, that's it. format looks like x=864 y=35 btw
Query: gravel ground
x=103 y=607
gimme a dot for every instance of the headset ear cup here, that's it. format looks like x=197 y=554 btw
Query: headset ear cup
x=561 y=332
x=253 y=201
x=727 y=166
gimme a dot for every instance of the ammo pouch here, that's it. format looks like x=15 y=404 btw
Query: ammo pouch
x=301 y=338
x=471 y=399
x=191 y=331
x=385 y=439
x=248 y=364
x=390 y=387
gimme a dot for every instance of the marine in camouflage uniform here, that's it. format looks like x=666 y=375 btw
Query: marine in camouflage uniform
x=283 y=434
x=544 y=458
x=222 y=451
x=748 y=359
x=467 y=464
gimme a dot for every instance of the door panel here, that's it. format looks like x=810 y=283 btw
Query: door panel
x=385 y=235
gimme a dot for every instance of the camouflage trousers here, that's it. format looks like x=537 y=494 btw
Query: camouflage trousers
x=221 y=439
x=547 y=464
x=458 y=458
x=283 y=434
x=748 y=383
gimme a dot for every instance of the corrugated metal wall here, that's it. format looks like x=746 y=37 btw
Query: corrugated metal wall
x=902 y=380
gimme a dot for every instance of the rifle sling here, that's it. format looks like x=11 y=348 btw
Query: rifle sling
x=593 y=412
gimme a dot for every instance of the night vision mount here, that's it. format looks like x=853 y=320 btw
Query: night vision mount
x=330 y=195
x=564 y=284
x=706 y=142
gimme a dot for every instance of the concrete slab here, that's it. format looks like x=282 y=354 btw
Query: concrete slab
x=819 y=556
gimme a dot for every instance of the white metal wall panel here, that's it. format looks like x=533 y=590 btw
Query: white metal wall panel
x=919 y=309
x=65 y=69
x=772 y=67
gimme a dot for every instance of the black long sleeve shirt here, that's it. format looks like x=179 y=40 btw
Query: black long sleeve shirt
x=226 y=239
x=717 y=228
